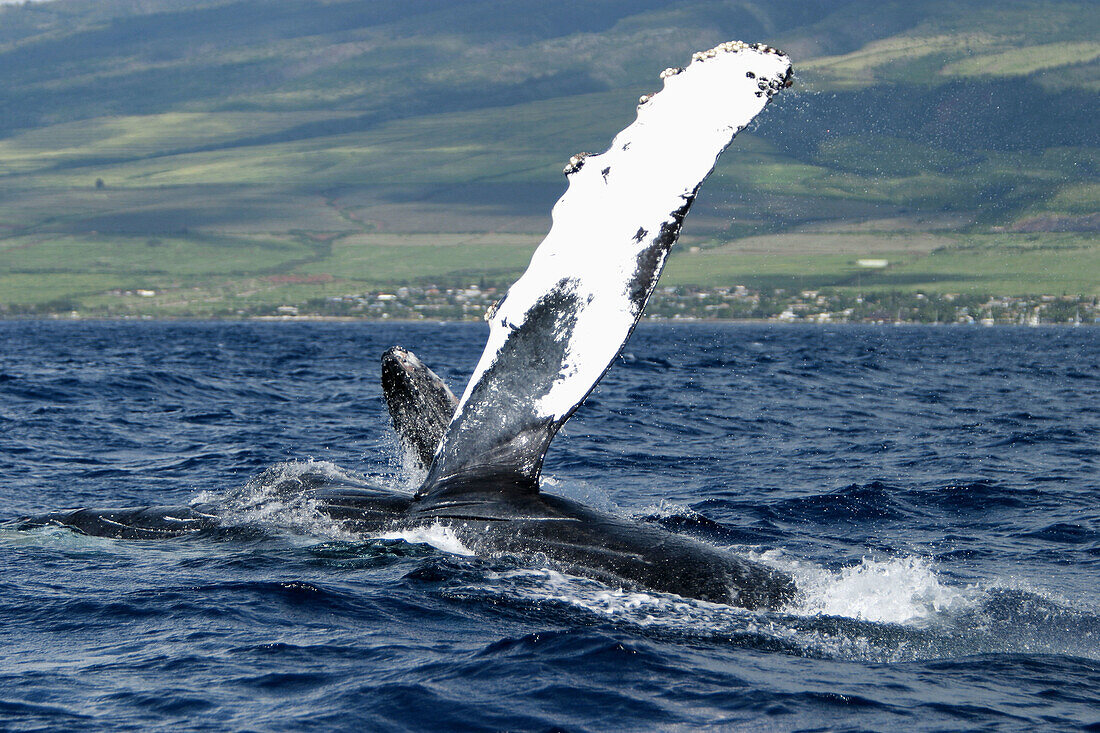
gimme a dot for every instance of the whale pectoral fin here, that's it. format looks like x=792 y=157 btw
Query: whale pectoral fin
x=419 y=401
x=562 y=323
x=142 y=523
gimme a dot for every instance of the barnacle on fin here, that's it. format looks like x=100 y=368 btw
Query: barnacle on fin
x=575 y=164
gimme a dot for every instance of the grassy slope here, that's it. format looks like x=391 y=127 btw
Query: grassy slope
x=237 y=141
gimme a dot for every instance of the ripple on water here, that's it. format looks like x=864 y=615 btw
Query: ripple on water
x=932 y=491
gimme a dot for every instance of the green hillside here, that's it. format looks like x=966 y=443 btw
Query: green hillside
x=224 y=156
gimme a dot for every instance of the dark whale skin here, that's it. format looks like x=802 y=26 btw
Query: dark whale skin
x=498 y=520
x=618 y=552
x=419 y=402
x=532 y=528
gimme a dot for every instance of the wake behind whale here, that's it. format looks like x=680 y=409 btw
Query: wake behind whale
x=552 y=337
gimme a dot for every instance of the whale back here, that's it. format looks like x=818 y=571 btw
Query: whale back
x=559 y=327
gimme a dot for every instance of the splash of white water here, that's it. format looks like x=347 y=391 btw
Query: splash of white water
x=279 y=499
x=441 y=538
x=903 y=590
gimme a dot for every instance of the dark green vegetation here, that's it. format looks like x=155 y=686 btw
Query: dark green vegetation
x=221 y=156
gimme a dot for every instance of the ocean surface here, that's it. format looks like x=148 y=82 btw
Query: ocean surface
x=933 y=490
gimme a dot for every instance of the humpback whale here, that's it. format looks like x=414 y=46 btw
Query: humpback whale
x=551 y=339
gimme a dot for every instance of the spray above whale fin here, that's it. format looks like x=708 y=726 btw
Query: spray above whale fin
x=562 y=323
x=420 y=403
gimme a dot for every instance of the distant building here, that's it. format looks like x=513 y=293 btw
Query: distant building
x=873 y=264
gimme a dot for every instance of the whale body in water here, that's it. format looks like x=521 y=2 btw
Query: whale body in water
x=551 y=338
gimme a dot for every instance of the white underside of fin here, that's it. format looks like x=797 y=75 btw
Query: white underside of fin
x=654 y=166
x=611 y=233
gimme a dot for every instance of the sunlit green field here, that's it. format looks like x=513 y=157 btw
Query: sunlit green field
x=1016 y=264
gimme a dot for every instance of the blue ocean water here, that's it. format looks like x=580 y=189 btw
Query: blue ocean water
x=933 y=491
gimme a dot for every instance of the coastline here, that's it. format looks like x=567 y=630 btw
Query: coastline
x=738 y=303
x=57 y=318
